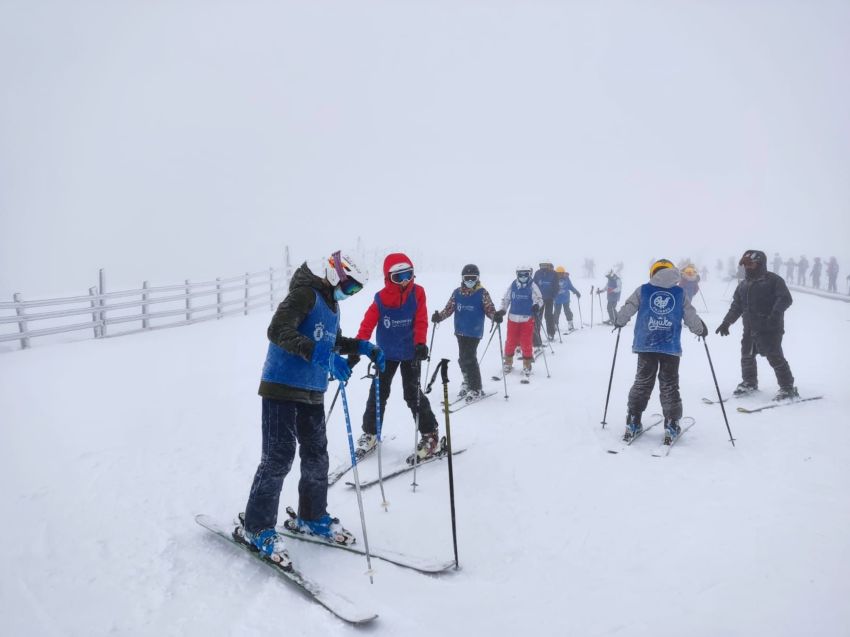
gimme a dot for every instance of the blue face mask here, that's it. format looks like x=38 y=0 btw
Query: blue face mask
x=339 y=295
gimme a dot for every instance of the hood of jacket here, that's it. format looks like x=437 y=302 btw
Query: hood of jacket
x=666 y=278
x=394 y=295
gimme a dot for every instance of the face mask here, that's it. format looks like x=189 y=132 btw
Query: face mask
x=522 y=278
x=339 y=295
x=470 y=284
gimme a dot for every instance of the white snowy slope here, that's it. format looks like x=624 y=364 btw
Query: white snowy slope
x=109 y=448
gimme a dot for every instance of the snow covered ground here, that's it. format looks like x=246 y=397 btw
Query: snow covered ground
x=109 y=448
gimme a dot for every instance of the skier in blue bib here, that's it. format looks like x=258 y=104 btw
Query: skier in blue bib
x=562 y=299
x=661 y=307
x=305 y=344
x=469 y=303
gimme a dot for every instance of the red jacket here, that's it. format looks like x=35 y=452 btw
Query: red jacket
x=393 y=295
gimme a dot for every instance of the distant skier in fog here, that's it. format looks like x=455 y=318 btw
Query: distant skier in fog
x=777 y=263
x=802 y=270
x=832 y=274
x=817 y=266
x=789 y=270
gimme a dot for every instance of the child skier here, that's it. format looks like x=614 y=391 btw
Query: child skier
x=562 y=298
x=304 y=340
x=612 y=289
x=690 y=281
x=469 y=303
x=546 y=280
x=661 y=308
x=399 y=311
x=522 y=301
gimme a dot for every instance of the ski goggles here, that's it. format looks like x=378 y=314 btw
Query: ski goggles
x=470 y=278
x=402 y=276
x=350 y=286
x=523 y=276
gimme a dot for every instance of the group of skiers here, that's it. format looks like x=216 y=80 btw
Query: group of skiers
x=306 y=346
x=803 y=274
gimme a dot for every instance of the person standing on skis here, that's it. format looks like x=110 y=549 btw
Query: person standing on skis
x=305 y=344
x=469 y=303
x=612 y=289
x=522 y=302
x=562 y=298
x=762 y=299
x=661 y=306
x=400 y=313
x=547 y=281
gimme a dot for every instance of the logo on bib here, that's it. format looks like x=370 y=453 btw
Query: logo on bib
x=319 y=332
x=387 y=322
x=662 y=302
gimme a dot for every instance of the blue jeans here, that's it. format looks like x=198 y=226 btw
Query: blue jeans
x=286 y=423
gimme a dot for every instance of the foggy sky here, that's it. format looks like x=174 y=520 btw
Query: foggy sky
x=166 y=140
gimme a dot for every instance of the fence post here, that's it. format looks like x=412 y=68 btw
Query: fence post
x=22 y=323
x=271 y=288
x=247 y=288
x=188 y=302
x=94 y=318
x=102 y=285
x=218 y=297
x=288 y=266
x=145 y=322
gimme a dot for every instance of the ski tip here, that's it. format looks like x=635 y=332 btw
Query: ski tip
x=612 y=451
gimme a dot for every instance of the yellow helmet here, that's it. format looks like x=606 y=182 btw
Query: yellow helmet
x=661 y=264
x=690 y=270
x=560 y=268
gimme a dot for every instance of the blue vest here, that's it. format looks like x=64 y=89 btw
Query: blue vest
x=564 y=286
x=281 y=367
x=546 y=280
x=658 y=326
x=469 y=313
x=521 y=300
x=395 y=328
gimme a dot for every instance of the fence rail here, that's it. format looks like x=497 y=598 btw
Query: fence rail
x=131 y=310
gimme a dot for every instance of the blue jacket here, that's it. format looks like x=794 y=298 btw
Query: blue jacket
x=565 y=286
x=547 y=281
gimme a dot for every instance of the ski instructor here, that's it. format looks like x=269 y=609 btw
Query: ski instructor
x=761 y=298
x=305 y=344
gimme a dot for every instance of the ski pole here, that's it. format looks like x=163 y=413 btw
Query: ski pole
x=369 y=571
x=444 y=367
x=416 y=420
x=599 y=298
x=703 y=300
x=331 y=410
x=580 y=319
x=717 y=387
x=545 y=362
x=611 y=378
x=376 y=379
x=492 y=333
x=591 y=307
x=430 y=347
x=502 y=354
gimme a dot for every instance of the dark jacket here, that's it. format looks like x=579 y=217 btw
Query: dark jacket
x=283 y=332
x=761 y=298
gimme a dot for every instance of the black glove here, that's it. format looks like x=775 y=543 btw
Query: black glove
x=498 y=316
x=578 y=294
x=420 y=352
x=353 y=359
x=435 y=317
x=723 y=330
x=704 y=329
x=535 y=308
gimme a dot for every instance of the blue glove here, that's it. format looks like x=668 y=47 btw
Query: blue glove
x=375 y=354
x=339 y=368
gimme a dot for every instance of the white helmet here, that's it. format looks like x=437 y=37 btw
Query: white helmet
x=339 y=267
x=524 y=268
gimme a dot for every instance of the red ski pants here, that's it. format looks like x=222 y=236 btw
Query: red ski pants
x=520 y=333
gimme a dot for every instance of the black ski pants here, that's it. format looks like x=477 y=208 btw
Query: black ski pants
x=413 y=396
x=287 y=423
x=549 y=316
x=467 y=347
x=568 y=313
x=769 y=345
x=666 y=367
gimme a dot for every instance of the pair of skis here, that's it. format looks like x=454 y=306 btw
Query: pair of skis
x=339 y=605
x=662 y=450
x=773 y=405
x=462 y=403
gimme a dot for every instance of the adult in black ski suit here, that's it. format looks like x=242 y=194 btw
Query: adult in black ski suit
x=761 y=299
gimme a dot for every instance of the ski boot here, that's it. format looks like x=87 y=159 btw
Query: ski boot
x=745 y=388
x=365 y=444
x=428 y=447
x=786 y=393
x=327 y=528
x=473 y=395
x=526 y=368
x=508 y=364
x=464 y=390
x=633 y=427
x=671 y=430
x=570 y=326
x=268 y=543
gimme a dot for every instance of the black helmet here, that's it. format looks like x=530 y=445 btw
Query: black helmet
x=470 y=269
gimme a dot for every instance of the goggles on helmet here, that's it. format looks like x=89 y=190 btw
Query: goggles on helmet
x=402 y=276
x=523 y=275
x=470 y=278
